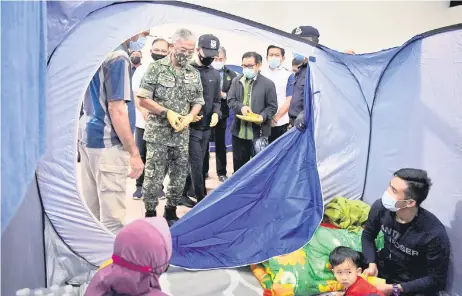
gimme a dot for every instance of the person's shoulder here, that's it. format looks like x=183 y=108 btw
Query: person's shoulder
x=377 y=206
x=432 y=223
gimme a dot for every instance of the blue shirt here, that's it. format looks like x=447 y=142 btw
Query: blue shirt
x=112 y=82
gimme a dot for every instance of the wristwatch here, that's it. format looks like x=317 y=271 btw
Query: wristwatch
x=163 y=114
x=395 y=290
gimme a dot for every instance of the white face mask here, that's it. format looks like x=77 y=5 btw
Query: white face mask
x=390 y=203
x=274 y=63
x=218 y=65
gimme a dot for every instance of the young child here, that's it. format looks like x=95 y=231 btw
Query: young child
x=142 y=252
x=346 y=266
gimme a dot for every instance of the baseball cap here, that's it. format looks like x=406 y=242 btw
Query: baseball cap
x=209 y=44
x=306 y=31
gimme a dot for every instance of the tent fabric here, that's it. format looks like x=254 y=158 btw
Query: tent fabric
x=23 y=100
x=57 y=171
x=361 y=132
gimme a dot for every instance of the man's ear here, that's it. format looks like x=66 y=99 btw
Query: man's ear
x=283 y=59
x=359 y=270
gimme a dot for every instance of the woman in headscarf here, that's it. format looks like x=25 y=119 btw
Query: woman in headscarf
x=142 y=251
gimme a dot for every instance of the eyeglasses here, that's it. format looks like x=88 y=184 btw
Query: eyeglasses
x=248 y=66
x=161 y=51
x=186 y=51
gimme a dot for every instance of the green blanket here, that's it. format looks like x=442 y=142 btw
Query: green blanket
x=347 y=214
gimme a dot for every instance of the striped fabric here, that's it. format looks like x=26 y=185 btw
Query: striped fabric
x=112 y=82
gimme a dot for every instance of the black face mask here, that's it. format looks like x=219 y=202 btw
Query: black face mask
x=206 y=61
x=135 y=60
x=156 y=56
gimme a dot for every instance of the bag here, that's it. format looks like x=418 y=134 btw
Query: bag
x=259 y=144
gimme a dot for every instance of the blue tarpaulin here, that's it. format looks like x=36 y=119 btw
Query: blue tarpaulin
x=23 y=99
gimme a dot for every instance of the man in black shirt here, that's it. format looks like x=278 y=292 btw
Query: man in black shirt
x=415 y=258
x=296 y=108
x=199 y=132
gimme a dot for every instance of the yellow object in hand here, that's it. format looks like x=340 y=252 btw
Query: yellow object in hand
x=186 y=120
x=251 y=117
x=214 y=120
x=373 y=280
x=175 y=120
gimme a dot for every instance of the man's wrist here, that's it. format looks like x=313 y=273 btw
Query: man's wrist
x=163 y=113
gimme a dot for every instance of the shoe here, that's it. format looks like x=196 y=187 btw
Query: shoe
x=200 y=198
x=170 y=215
x=150 y=214
x=78 y=156
x=162 y=195
x=222 y=178
x=187 y=202
x=138 y=193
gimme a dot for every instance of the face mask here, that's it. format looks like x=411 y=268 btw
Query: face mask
x=218 y=65
x=274 y=63
x=298 y=57
x=389 y=202
x=138 y=44
x=135 y=60
x=205 y=61
x=182 y=59
x=249 y=73
x=156 y=56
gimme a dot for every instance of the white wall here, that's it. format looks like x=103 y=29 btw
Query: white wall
x=364 y=26
x=358 y=25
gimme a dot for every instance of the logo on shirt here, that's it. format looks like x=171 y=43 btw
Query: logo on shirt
x=228 y=78
x=213 y=44
x=298 y=31
x=393 y=237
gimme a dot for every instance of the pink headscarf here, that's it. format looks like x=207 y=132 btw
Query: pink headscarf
x=142 y=250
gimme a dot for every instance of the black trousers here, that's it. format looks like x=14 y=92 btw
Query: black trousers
x=220 y=147
x=242 y=152
x=277 y=131
x=141 y=144
x=198 y=143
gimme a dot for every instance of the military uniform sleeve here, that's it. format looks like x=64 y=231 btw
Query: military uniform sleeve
x=148 y=82
x=199 y=95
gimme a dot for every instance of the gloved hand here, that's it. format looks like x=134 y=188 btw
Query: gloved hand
x=299 y=122
x=175 y=120
x=214 y=120
x=186 y=120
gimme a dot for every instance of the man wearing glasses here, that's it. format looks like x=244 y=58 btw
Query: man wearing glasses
x=171 y=90
x=159 y=50
x=250 y=93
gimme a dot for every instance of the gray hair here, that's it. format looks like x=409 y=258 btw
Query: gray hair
x=223 y=50
x=183 y=34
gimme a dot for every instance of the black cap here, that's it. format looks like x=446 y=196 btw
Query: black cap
x=209 y=44
x=306 y=31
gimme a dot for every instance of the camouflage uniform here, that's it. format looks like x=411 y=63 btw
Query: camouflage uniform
x=177 y=91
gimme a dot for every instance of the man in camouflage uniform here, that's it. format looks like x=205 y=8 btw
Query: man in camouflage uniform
x=171 y=91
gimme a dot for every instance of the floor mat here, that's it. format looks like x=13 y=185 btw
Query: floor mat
x=226 y=282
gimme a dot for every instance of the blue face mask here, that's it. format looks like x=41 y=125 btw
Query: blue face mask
x=138 y=44
x=390 y=203
x=249 y=73
x=274 y=63
x=298 y=57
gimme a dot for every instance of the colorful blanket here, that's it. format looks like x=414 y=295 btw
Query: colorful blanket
x=307 y=271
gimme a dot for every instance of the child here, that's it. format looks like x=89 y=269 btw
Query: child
x=142 y=251
x=346 y=266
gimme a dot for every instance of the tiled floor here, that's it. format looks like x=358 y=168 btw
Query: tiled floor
x=135 y=208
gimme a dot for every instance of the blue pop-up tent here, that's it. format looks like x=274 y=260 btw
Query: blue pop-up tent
x=372 y=114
